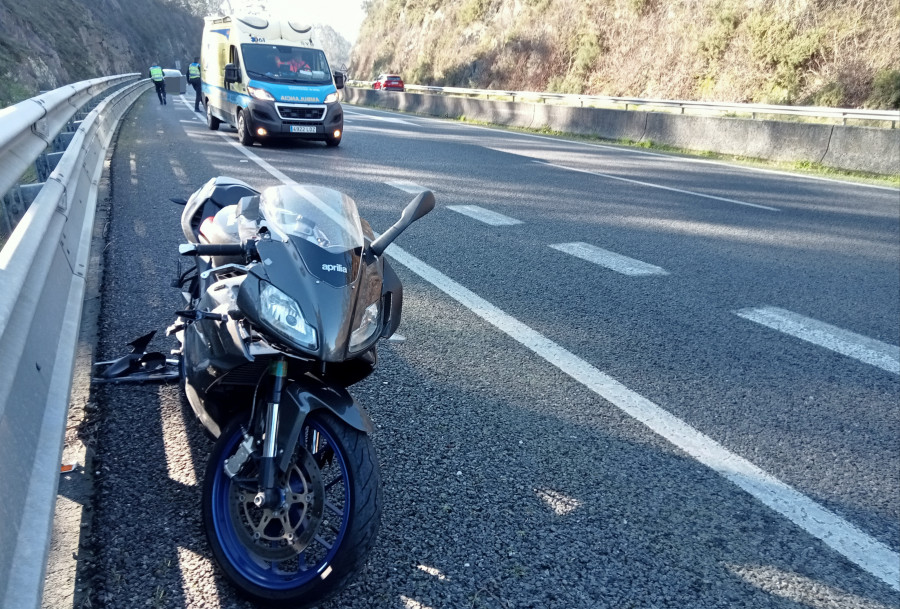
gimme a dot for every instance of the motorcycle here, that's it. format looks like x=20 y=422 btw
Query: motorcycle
x=287 y=297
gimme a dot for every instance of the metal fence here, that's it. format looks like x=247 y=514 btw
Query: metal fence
x=42 y=274
x=890 y=117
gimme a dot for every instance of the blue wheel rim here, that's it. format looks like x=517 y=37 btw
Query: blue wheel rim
x=256 y=570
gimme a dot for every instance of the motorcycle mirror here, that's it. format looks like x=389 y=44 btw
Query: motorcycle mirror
x=418 y=207
x=178 y=200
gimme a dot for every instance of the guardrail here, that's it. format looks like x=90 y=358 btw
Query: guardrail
x=628 y=103
x=42 y=269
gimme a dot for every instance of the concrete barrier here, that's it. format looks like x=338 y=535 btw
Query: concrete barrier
x=865 y=149
x=837 y=146
x=607 y=124
x=772 y=140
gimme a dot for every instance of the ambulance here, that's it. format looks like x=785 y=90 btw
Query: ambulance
x=265 y=77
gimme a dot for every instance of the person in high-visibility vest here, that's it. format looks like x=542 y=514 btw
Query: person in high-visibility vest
x=193 y=76
x=159 y=81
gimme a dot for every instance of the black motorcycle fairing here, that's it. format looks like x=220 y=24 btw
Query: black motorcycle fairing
x=211 y=349
x=325 y=307
x=299 y=399
x=337 y=268
x=392 y=293
x=351 y=371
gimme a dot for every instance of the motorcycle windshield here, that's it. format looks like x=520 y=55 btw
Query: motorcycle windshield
x=320 y=217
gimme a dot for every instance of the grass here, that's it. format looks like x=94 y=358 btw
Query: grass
x=840 y=54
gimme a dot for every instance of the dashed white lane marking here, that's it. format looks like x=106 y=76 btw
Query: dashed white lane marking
x=383 y=119
x=862 y=348
x=484 y=215
x=611 y=260
x=660 y=186
x=842 y=536
x=407 y=186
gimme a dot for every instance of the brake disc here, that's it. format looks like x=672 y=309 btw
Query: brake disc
x=282 y=533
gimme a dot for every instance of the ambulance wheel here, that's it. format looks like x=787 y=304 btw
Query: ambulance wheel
x=243 y=130
x=211 y=121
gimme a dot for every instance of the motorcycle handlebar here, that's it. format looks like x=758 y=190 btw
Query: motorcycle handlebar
x=212 y=249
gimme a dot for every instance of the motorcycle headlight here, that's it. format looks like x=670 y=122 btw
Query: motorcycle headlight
x=283 y=314
x=367 y=326
x=260 y=94
x=331 y=98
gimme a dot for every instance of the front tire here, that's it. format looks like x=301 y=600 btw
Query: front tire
x=243 y=129
x=258 y=552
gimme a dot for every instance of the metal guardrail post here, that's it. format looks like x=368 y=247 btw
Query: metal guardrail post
x=27 y=128
x=62 y=141
x=15 y=204
x=46 y=163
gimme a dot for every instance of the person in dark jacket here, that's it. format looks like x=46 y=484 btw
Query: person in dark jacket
x=193 y=77
x=159 y=81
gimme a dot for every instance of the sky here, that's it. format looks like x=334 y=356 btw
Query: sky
x=345 y=16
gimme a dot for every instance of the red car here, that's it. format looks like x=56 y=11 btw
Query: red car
x=389 y=82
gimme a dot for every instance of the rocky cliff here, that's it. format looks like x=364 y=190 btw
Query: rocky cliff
x=48 y=43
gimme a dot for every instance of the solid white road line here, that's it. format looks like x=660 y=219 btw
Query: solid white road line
x=862 y=348
x=845 y=538
x=611 y=260
x=842 y=536
x=624 y=148
x=484 y=215
x=407 y=186
x=650 y=185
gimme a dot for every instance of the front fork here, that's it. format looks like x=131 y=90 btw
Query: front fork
x=269 y=496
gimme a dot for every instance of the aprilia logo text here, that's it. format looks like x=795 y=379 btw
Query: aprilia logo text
x=334 y=267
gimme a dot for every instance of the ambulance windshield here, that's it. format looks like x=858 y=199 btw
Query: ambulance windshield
x=287 y=64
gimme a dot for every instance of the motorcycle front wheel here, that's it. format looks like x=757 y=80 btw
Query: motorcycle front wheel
x=311 y=548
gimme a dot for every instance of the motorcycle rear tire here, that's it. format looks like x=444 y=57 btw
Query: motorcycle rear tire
x=354 y=462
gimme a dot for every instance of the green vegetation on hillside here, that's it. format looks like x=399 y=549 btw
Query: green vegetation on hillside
x=814 y=52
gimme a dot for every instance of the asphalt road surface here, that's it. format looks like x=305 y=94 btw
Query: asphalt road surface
x=628 y=380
